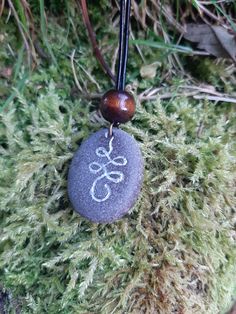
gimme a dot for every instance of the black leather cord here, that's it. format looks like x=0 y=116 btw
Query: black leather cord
x=123 y=43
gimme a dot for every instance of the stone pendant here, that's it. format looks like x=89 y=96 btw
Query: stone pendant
x=105 y=176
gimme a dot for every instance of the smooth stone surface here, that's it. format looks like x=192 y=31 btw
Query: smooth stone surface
x=105 y=176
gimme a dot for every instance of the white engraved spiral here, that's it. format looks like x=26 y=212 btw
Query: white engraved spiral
x=112 y=176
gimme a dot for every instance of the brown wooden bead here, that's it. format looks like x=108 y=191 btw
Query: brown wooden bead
x=117 y=106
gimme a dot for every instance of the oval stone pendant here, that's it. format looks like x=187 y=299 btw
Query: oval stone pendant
x=105 y=176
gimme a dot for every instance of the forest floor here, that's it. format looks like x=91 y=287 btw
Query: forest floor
x=175 y=250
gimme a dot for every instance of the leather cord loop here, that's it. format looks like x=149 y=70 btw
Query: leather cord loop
x=123 y=43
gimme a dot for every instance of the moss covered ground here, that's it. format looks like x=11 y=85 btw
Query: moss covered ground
x=175 y=251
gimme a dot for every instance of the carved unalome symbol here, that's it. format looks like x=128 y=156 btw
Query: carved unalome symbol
x=113 y=176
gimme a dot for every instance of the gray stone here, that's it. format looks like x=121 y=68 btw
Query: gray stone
x=105 y=176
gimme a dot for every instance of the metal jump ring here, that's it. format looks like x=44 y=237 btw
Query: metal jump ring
x=110 y=131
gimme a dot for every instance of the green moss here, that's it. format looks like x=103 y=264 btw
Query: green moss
x=175 y=251
x=211 y=71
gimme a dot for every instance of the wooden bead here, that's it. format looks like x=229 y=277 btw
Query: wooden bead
x=117 y=106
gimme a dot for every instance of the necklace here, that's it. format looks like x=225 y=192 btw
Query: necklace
x=106 y=172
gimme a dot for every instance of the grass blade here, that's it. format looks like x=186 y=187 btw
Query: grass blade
x=161 y=45
x=44 y=31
